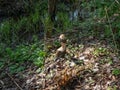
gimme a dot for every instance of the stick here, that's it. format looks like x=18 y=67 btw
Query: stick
x=14 y=81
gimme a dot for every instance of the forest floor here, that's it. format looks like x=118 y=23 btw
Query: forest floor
x=92 y=65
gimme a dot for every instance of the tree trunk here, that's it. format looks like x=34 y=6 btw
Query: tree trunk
x=49 y=24
x=52 y=9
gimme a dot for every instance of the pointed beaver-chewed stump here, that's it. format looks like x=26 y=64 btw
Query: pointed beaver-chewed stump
x=62 y=50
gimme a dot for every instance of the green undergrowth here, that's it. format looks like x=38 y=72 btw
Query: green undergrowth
x=20 y=57
x=100 y=51
x=116 y=71
x=98 y=23
x=12 y=31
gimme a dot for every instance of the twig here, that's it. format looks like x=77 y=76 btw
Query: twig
x=14 y=81
x=113 y=36
x=117 y=2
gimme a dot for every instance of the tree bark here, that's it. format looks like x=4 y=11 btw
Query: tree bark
x=49 y=24
x=52 y=9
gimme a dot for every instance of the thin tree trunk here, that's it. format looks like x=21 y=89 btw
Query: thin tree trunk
x=52 y=9
x=49 y=24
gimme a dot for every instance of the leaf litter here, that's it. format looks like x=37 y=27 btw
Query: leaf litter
x=88 y=67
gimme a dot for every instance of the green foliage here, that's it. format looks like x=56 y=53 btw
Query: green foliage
x=116 y=72
x=12 y=30
x=16 y=68
x=107 y=31
x=95 y=20
x=2 y=49
x=18 y=55
x=56 y=43
x=48 y=24
x=21 y=54
x=109 y=60
x=24 y=53
x=1 y=64
x=40 y=59
x=5 y=29
x=100 y=51
x=63 y=21
x=106 y=60
x=112 y=88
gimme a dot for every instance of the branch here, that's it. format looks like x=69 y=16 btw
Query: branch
x=14 y=81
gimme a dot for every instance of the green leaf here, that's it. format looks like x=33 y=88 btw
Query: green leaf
x=116 y=72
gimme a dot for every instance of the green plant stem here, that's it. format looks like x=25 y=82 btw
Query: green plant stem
x=113 y=36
